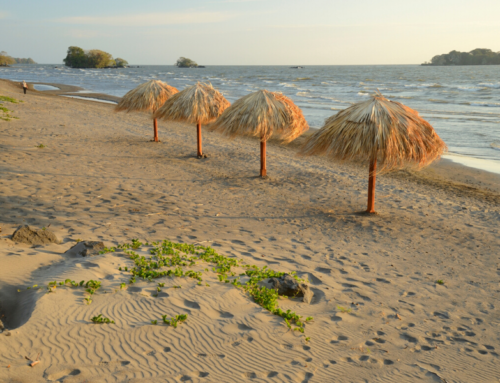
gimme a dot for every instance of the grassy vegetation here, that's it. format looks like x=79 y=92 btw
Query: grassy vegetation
x=101 y=319
x=175 y=321
x=5 y=114
x=344 y=310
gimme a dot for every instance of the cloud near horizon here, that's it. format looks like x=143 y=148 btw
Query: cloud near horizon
x=149 y=19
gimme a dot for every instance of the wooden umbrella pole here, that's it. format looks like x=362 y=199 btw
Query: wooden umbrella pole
x=371 y=185
x=263 y=170
x=198 y=127
x=155 y=124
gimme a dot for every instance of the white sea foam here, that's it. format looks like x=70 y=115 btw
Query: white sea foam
x=287 y=85
x=488 y=104
x=470 y=88
x=434 y=85
x=490 y=85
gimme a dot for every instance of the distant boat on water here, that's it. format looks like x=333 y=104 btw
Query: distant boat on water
x=296 y=67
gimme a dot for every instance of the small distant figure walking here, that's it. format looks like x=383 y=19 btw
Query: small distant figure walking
x=25 y=86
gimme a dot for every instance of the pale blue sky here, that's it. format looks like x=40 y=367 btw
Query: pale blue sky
x=250 y=32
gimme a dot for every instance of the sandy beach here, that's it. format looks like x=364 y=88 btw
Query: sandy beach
x=379 y=313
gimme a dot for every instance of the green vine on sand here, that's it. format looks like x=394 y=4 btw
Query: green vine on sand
x=91 y=287
x=177 y=256
x=101 y=319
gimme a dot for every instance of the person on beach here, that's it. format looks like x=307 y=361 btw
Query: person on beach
x=25 y=86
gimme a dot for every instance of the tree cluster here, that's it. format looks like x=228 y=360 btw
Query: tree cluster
x=184 y=62
x=5 y=59
x=477 y=56
x=24 y=61
x=76 y=57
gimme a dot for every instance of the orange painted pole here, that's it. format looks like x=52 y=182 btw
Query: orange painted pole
x=263 y=170
x=155 y=124
x=371 y=185
x=198 y=127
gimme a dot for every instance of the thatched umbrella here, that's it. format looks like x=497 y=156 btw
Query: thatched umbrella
x=262 y=114
x=147 y=97
x=198 y=104
x=377 y=130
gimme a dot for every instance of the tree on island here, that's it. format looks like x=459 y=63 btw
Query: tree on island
x=478 y=56
x=99 y=59
x=76 y=57
x=184 y=62
x=24 y=61
x=121 y=63
x=6 y=59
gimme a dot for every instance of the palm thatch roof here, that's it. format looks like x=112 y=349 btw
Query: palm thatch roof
x=147 y=97
x=262 y=114
x=200 y=103
x=381 y=129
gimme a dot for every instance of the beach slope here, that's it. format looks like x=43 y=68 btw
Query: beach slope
x=380 y=314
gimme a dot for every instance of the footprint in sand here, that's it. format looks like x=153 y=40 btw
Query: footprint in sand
x=210 y=356
x=236 y=328
x=191 y=304
x=88 y=265
x=61 y=374
x=238 y=343
x=339 y=339
x=324 y=270
x=134 y=289
x=295 y=347
x=304 y=377
x=409 y=338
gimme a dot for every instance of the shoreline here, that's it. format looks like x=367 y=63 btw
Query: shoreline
x=465 y=161
x=71 y=91
x=446 y=168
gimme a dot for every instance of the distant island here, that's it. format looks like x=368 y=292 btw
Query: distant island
x=76 y=57
x=5 y=60
x=479 y=56
x=184 y=62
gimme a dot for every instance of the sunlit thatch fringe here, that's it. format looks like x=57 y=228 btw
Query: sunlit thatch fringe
x=262 y=114
x=200 y=103
x=390 y=131
x=147 y=97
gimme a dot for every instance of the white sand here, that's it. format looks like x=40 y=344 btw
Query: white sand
x=99 y=178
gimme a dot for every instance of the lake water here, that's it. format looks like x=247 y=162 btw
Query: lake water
x=462 y=103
